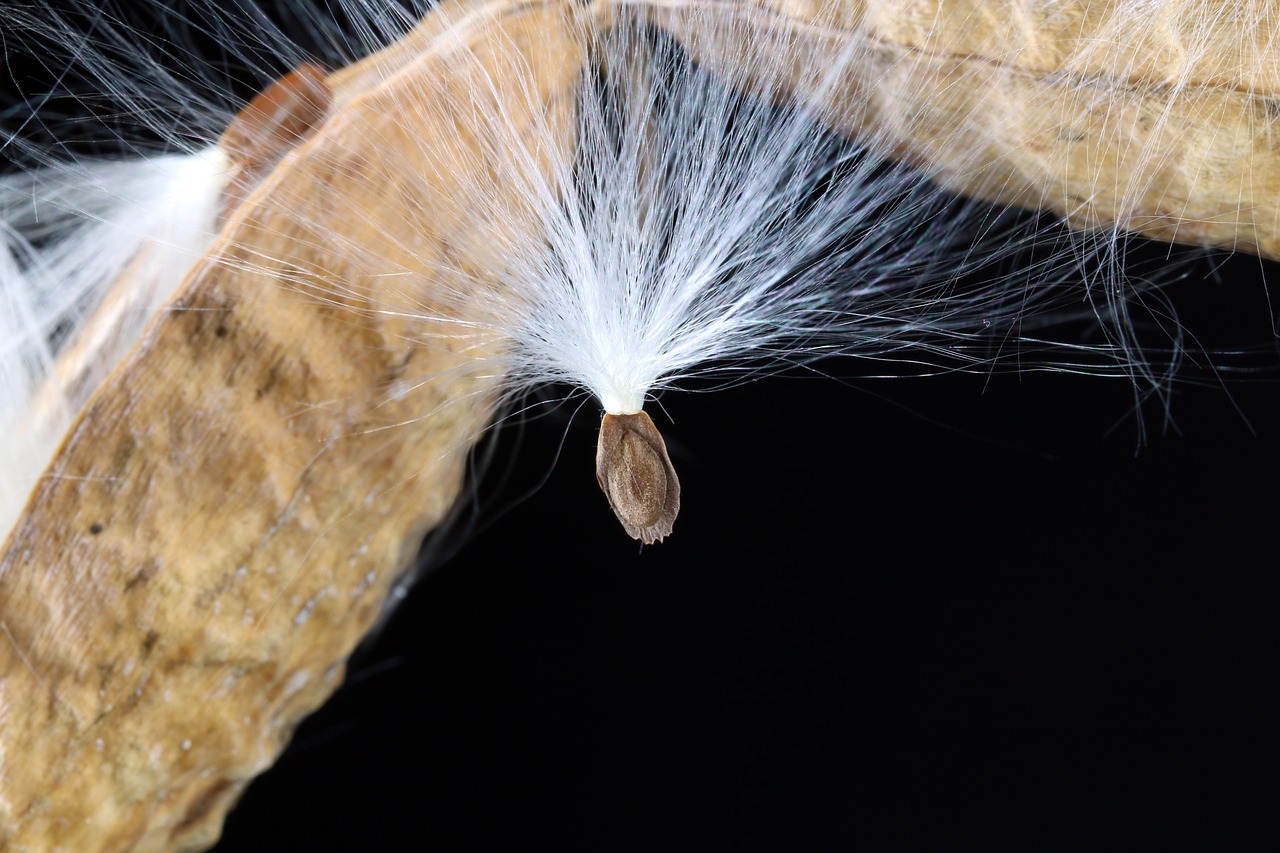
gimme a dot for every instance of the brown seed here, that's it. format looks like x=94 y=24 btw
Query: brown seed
x=635 y=472
x=284 y=115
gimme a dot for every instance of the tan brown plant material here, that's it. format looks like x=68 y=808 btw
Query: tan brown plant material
x=1159 y=118
x=231 y=510
x=636 y=474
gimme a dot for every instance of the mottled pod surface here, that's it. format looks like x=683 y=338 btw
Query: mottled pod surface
x=1159 y=118
x=229 y=513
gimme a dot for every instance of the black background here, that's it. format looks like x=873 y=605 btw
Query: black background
x=955 y=610
x=987 y=611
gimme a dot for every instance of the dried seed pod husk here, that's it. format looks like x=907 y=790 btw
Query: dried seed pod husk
x=230 y=511
x=228 y=514
x=1154 y=118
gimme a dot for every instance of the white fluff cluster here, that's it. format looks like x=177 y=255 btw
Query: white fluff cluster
x=92 y=250
x=713 y=223
x=705 y=220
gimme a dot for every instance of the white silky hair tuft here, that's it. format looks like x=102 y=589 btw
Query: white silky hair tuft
x=94 y=249
x=703 y=219
x=712 y=222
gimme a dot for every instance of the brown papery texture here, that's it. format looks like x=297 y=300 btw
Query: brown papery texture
x=635 y=472
x=229 y=514
x=1160 y=118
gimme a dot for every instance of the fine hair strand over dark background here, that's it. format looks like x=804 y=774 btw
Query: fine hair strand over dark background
x=981 y=610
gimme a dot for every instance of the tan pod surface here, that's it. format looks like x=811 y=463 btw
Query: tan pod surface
x=1162 y=119
x=230 y=512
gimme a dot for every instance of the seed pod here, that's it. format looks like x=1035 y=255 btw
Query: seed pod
x=635 y=472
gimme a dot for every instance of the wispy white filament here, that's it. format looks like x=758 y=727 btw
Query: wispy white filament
x=712 y=222
x=703 y=217
x=114 y=239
